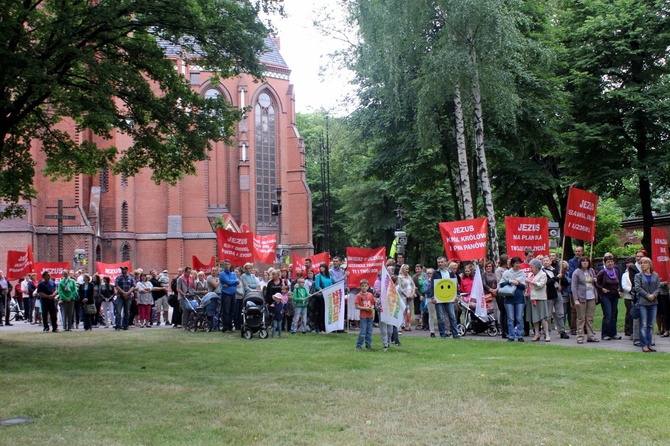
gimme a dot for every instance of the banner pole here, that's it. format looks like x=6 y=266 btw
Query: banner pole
x=563 y=249
x=591 y=255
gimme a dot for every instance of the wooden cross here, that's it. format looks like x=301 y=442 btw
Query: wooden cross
x=60 y=217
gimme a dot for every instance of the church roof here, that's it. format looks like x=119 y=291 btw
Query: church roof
x=272 y=57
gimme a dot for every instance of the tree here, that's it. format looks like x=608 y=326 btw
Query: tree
x=102 y=66
x=619 y=79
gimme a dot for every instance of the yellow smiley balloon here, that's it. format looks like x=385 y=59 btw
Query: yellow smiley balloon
x=445 y=290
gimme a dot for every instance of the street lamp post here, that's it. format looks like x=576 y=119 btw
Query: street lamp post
x=276 y=211
x=399 y=230
x=278 y=214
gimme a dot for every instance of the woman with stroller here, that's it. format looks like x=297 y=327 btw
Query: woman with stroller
x=185 y=291
x=273 y=287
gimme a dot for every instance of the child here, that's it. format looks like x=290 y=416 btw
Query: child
x=289 y=307
x=300 y=295
x=277 y=311
x=365 y=302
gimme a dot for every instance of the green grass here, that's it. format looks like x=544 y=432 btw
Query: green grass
x=165 y=387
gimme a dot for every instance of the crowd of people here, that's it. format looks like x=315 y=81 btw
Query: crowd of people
x=529 y=297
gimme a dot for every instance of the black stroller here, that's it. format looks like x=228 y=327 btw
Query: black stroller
x=198 y=318
x=254 y=315
x=474 y=323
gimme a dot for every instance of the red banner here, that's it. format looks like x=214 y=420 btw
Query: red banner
x=527 y=232
x=199 y=266
x=19 y=263
x=111 y=270
x=235 y=246
x=317 y=259
x=54 y=268
x=580 y=215
x=465 y=240
x=660 y=257
x=265 y=248
x=364 y=264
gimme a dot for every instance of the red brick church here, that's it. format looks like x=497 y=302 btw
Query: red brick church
x=161 y=226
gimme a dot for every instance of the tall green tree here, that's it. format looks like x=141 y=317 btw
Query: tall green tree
x=618 y=75
x=102 y=65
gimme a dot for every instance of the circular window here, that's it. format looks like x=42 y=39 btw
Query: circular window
x=264 y=100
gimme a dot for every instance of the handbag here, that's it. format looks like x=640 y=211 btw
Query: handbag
x=507 y=291
x=90 y=309
x=634 y=312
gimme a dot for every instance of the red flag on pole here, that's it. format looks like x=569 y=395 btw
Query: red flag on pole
x=527 y=232
x=200 y=266
x=660 y=257
x=364 y=263
x=19 y=263
x=54 y=268
x=465 y=239
x=580 y=215
x=111 y=269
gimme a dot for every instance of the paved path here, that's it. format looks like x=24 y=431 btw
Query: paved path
x=625 y=344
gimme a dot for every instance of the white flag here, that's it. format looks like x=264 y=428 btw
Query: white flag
x=333 y=298
x=477 y=294
x=391 y=305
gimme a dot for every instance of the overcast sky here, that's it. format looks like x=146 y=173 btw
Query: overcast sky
x=306 y=52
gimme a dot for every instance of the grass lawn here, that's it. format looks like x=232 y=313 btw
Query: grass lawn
x=164 y=387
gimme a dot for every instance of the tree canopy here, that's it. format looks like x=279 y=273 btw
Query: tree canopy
x=102 y=65
x=574 y=93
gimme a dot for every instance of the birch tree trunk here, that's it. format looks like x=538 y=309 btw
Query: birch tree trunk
x=481 y=158
x=464 y=180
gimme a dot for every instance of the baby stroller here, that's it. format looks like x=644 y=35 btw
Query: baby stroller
x=474 y=323
x=254 y=315
x=15 y=311
x=198 y=317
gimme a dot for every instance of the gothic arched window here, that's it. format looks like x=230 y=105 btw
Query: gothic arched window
x=125 y=252
x=266 y=180
x=124 y=216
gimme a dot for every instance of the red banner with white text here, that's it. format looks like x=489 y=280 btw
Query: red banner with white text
x=580 y=215
x=527 y=232
x=660 y=257
x=236 y=247
x=364 y=263
x=465 y=239
x=265 y=248
x=200 y=266
x=54 y=268
x=111 y=270
x=19 y=263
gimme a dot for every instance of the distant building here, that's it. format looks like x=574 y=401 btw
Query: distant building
x=118 y=218
x=630 y=226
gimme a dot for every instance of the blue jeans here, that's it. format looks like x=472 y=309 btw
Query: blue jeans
x=609 y=303
x=300 y=312
x=514 y=320
x=276 y=326
x=226 y=313
x=449 y=308
x=122 y=305
x=647 y=318
x=365 y=333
